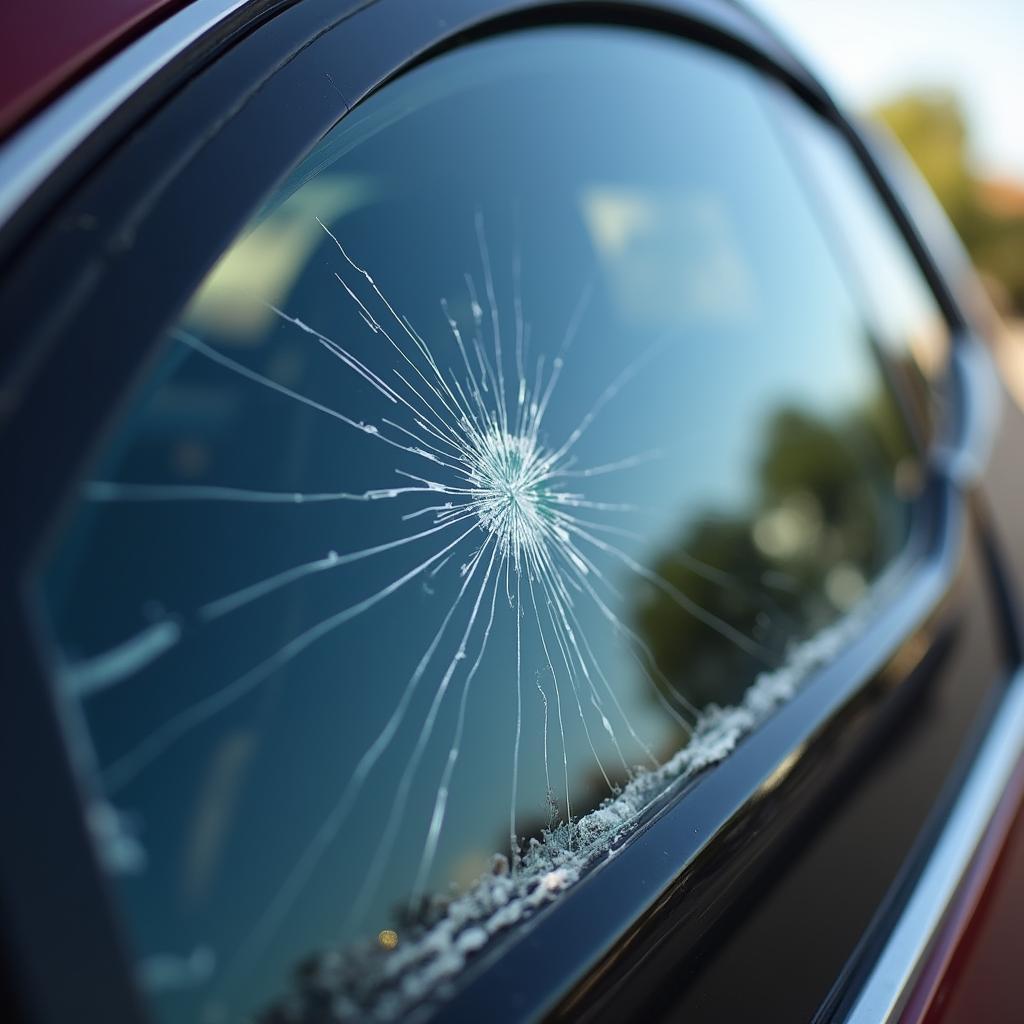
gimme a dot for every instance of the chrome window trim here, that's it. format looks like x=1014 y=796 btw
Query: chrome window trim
x=40 y=146
x=891 y=981
x=964 y=457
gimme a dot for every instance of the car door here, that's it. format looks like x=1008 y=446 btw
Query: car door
x=490 y=533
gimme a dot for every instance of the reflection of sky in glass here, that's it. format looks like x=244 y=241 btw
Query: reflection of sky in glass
x=907 y=317
x=707 y=274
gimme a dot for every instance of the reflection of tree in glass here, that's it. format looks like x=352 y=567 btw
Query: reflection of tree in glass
x=816 y=534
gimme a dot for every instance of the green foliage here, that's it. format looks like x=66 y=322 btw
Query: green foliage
x=933 y=129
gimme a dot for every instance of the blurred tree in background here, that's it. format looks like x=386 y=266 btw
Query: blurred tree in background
x=987 y=213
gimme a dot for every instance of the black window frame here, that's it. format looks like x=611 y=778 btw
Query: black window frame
x=126 y=190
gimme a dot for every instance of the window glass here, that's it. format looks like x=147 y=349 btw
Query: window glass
x=905 y=317
x=524 y=451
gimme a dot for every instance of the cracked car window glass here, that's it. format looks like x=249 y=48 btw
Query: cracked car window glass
x=525 y=450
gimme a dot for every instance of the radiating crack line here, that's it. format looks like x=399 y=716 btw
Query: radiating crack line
x=120 y=772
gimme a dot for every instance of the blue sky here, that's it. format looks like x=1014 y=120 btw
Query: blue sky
x=867 y=50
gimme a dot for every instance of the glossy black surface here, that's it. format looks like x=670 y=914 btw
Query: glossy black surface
x=814 y=905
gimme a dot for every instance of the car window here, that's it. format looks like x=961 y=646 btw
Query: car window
x=900 y=306
x=527 y=449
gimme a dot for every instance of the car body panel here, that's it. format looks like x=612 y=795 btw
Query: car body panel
x=978 y=977
x=57 y=42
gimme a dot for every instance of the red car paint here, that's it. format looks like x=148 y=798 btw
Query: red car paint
x=973 y=974
x=49 y=44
